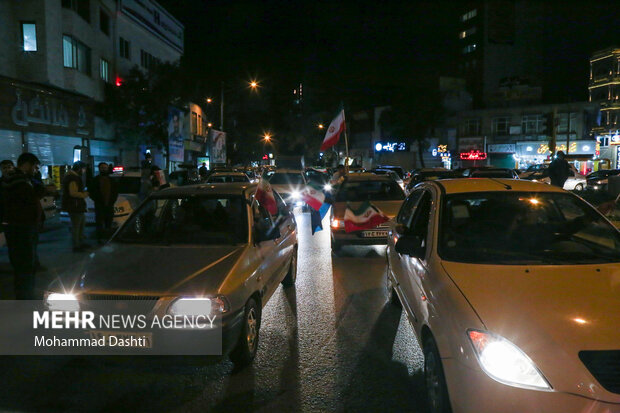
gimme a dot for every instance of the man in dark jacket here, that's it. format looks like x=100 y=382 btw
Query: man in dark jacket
x=74 y=202
x=104 y=191
x=22 y=215
x=559 y=170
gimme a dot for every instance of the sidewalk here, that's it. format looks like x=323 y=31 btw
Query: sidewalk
x=55 y=253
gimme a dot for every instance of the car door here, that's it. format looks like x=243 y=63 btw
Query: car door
x=396 y=264
x=414 y=270
x=266 y=253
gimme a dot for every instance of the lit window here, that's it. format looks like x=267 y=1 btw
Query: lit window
x=470 y=14
x=104 y=70
x=29 y=35
x=76 y=54
x=467 y=33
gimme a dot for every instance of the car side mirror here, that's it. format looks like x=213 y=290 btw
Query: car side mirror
x=410 y=245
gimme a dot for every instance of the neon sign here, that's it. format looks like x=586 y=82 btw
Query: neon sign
x=390 y=147
x=473 y=155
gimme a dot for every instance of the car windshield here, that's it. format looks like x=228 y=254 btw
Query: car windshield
x=199 y=219
x=375 y=190
x=398 y=171
x=227 y=178
x=128 y=184
x=524 y=228
x=286 y=179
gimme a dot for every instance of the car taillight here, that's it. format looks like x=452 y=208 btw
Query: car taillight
x=118 y=169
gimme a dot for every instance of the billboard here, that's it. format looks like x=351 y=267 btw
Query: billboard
x=176 y=134
x=217 y=139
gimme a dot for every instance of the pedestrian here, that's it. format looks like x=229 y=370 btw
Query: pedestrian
x=6 y=167
x=22 y=215
x=74 y=202
x=148 y=161
x=559 y=170
x=104 y=191
x=338 y=177
x=203 y=171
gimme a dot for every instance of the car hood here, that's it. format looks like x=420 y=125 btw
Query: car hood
x=156 y=270
x=389 y=208
x=550 y=312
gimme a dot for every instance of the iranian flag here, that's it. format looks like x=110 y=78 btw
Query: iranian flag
x=333 y=132
x=264 y=195
x=367 y=216
x=313 y=195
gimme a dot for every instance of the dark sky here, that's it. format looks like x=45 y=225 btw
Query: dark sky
x=365 y=50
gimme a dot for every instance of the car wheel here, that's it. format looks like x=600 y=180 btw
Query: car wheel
x=436 y=389
x=245 y=350
x=579 y=187
x=291 y=275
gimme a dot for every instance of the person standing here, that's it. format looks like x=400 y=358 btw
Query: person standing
x=203 y=171
x=22 y=215
x=6 y=167
x=104 y=191
x=74 y=203
x=559 y=170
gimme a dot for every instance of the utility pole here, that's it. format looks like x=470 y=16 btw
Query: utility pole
x=222 y=107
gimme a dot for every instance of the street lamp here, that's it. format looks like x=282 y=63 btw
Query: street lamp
x=321 y=126
x=209 y=100
x=267 y=137
x=254 y=84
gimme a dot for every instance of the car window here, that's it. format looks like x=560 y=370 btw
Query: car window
x=202 y=220
x=375 y=190
x=519 y=228
x=406 y=211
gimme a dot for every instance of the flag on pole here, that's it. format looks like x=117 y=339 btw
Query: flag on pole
x=367 y=216
x=333 y=132
x=316 y=217
x=264 y=195
x=313 y=195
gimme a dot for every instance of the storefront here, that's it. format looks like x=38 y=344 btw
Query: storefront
x=502 y=155
x=53 y=124
x=580 y=153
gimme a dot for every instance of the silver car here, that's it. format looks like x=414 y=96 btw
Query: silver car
x=204 y=241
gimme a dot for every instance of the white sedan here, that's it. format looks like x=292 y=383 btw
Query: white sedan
x=513 y=291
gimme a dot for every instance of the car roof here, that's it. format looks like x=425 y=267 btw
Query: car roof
x=367 y=176
x=463 y=185
x=232 y=188
x=288 y=171
x=431 y=170
x=228 y=174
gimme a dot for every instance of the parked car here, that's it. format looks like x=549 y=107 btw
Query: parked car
x=128 y=184
x=599 y=180
x=227 y=177
x=575 y=181
x=380 y=190
x=533 y=168
x=192 y=227
x=431 y=174
x=511 y=288
x=399 y=170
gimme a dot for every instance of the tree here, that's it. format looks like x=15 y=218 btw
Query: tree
x=138 y=107
x=412 y=115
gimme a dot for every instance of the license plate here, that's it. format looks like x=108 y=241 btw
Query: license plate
x=124 y=339
x=374 y=234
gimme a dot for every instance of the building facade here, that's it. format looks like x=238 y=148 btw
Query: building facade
x=56 y=57
x=604 y=90
x=517 y=137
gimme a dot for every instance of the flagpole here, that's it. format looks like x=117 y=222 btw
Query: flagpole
x=346 y=143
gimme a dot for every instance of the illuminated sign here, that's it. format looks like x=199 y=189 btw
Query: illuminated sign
x=473 y=155
x=391 y=147
x=544 y=148
x=614 y=139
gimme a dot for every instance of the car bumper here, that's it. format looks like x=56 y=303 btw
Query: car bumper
x=357 y=238
x=472 y=390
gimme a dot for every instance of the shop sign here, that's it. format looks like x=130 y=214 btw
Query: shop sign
x=501 y=148
x=473 y=156
x=391 y=147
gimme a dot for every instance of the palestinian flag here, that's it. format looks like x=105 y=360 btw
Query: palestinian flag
x=264 y=196
x=313 y=195
x=367 y=216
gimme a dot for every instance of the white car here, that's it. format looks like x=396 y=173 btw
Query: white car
x=129 y=184
x=575 y=181
x=227 y=177
x=513 y=291
x=288 y=183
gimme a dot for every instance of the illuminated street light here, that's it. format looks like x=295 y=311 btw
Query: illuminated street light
x=210 y=124
x=209 y=100
x=321 y=126
x=267 y=137
x=253 y=84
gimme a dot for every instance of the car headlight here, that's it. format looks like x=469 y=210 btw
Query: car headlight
x=61 y=302
x=327 y=187
x=599 y=182
x=505 y=362
x=295 y=195
x=194 y=306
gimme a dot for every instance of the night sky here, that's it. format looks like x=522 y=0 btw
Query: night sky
x=365 y=51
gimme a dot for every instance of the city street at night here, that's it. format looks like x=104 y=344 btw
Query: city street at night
x=331 y=343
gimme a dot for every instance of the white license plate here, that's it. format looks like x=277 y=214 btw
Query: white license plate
x=141 y=340
x=374 y=234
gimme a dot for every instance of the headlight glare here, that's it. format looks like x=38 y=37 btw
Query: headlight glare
x=62 y=302
x=327 y=187
x=295 y=195
x=194 y=306
x=505 y=362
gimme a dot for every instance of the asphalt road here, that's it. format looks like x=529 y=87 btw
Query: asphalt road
x=332 y=343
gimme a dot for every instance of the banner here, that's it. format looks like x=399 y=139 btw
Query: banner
x=176 y=133
x=217 y=139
